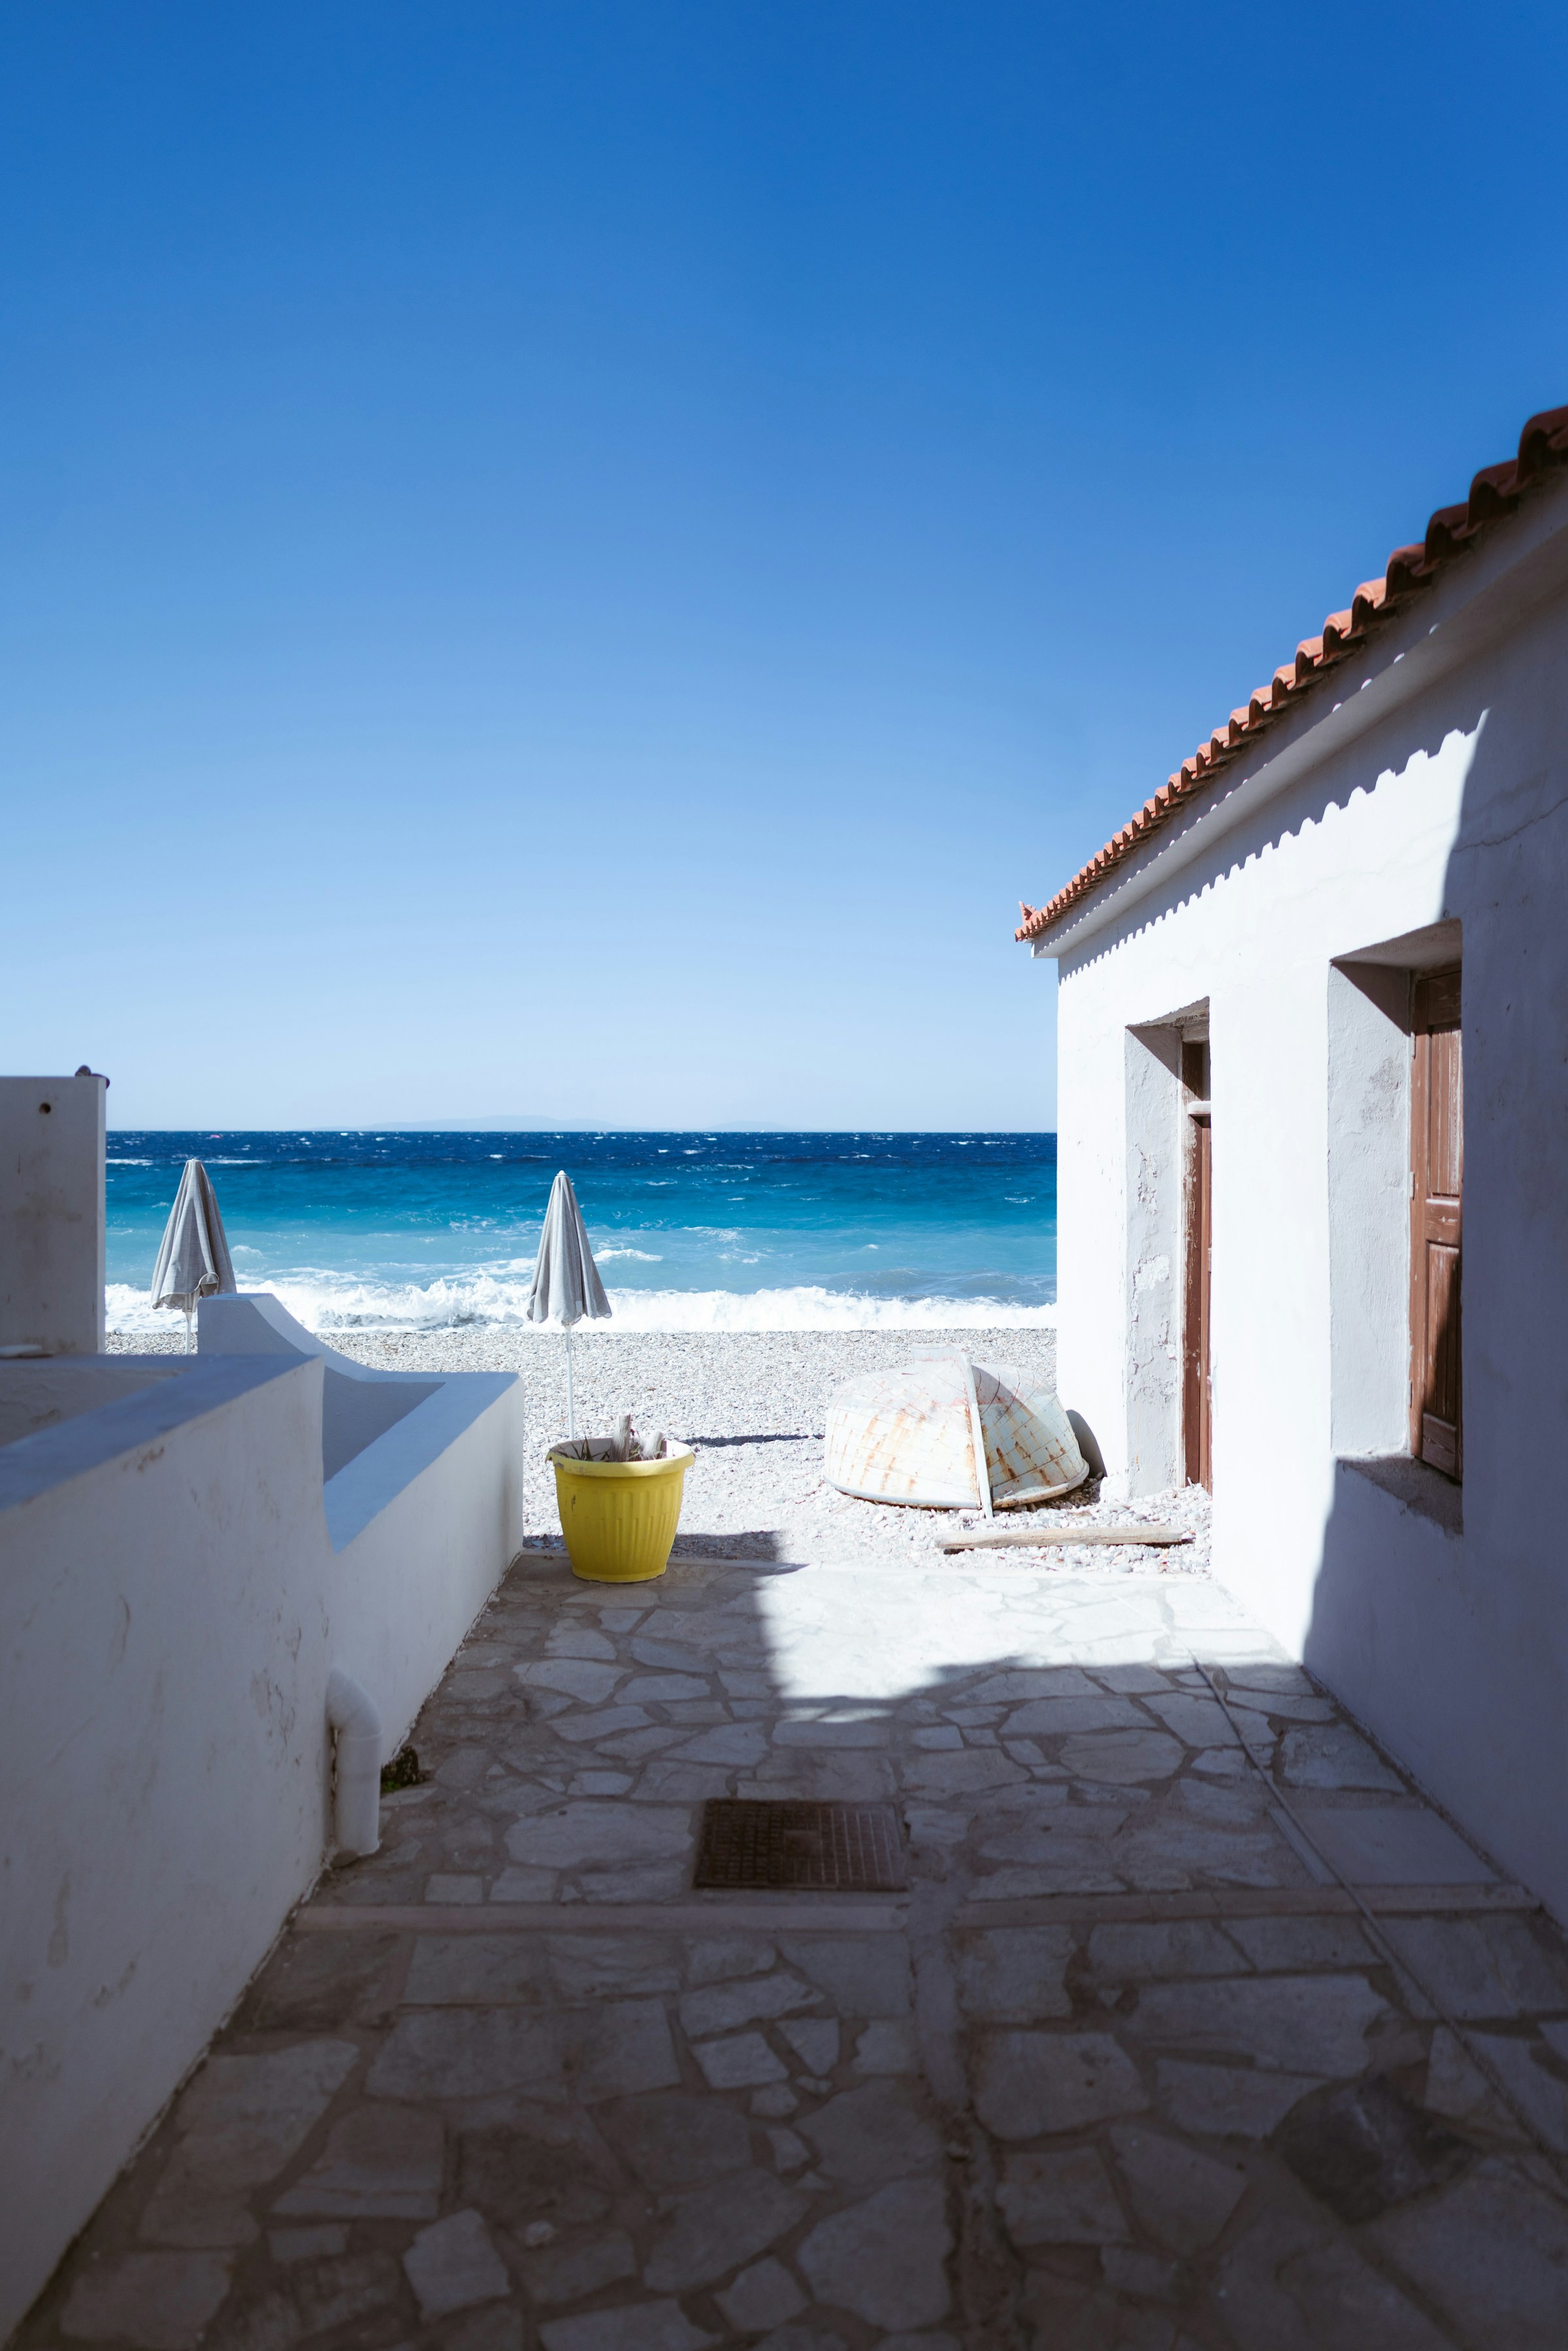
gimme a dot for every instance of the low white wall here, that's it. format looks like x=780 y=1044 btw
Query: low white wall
x=34 y=1396
x=172 y=1601
x=1424 y=804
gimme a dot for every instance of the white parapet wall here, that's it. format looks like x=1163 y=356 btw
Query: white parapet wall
x=178 y=1580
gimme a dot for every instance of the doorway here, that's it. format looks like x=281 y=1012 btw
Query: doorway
x=1436 y=1199
x=1198 y=1385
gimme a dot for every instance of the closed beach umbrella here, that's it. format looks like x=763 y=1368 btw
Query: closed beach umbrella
x=565 y=1287
x=194 y=1256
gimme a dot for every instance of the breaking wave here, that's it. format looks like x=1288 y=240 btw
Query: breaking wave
x=326 y=1304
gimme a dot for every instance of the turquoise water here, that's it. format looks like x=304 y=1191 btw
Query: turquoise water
x=690 y=1231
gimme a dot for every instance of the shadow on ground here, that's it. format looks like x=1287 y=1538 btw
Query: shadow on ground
x=1120 y=2070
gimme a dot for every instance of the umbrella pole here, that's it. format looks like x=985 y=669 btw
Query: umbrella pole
x=187 y=1330
x=571 y=1407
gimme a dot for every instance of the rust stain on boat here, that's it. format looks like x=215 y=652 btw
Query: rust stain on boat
x=905 y=1436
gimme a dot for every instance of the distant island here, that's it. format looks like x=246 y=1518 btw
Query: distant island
x=499 y=1123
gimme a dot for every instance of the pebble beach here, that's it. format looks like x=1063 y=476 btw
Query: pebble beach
x=754 y=1404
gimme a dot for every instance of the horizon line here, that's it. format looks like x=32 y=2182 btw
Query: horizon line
x=538 y=1128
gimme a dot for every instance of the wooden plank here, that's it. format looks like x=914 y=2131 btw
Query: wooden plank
x=1159 y=1538
x=719 y=1914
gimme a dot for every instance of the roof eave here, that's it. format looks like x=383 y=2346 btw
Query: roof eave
x=1505 y=576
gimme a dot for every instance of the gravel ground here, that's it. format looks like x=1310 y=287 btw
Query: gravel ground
x=753 y=1403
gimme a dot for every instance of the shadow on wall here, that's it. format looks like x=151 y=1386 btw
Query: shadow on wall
x=1440 y=1617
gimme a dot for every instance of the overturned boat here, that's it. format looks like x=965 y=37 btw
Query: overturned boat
x=946 y=1433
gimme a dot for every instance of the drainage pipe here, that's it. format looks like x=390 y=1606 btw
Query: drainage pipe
x=356 y=1727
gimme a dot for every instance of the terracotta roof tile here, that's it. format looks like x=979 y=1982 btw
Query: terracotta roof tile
x=1495 y=492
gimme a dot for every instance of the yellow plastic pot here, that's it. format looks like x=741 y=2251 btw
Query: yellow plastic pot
x=620 y=1518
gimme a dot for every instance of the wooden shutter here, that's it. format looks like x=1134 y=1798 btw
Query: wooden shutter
x=1436 y=1195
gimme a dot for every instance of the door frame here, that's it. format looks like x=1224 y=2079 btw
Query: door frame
x=1198 y=1240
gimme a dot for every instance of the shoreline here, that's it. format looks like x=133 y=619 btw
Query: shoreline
x=753 y=1403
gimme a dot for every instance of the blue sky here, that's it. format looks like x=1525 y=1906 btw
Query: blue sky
x=577 y=559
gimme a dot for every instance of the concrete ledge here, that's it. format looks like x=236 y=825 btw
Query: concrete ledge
x=1414 y=1485
x=93 y=1436
x=374 y=1477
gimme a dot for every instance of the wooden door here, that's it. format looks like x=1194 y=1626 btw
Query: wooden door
x=1197 y=1387
x=1437 y=1196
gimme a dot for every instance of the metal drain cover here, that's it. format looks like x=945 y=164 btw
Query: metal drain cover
x=822 y=1848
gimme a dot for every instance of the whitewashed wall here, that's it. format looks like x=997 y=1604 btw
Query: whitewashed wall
x=1425 y=792
x=52 y=1214
x=175 y=1585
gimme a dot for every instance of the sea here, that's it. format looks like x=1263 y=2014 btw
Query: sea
x=390 y=1231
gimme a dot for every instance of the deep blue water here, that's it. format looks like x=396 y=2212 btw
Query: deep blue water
x=690 y=1230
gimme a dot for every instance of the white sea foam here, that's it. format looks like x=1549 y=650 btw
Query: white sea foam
x=326 y=1302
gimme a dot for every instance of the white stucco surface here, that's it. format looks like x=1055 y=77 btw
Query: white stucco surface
x=1414 y=808
x=52 y=1214
x=177 y=1581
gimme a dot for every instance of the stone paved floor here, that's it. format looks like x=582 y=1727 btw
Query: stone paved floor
x=1119 y=2071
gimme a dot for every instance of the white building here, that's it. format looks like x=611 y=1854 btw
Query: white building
x=1314 y=1007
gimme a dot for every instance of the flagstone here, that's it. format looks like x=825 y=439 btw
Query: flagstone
x=1482 y=1967
x=676 y=2139
x=1031 y=2083
x=740 y=2063
x=578 y=1677
x=863 y=1975
x=452 y=2263
x=1226 y=2101
x=815 y=2041
x=764 y=2295
x=287 y=2245
x=885 y=2260
x=720 y=2225
x=629 y=2048
x=454 y=2053
x=601 y=1724
x=1334 y=1757
x=484 y=1971
x=162 y=2302
x=1014 y=1975
x=720 y=2008
x=635 y=2326
x=1182 y=2197
x=1319 y=2022
x=379 y=2162
x=1059 y=2199
x=872 y=2134
x=733 y=1744
x=587 y=1832
x=1132 y=1952
x=580 y=1641
x=664 y=1689
x=1196 y=1721
x=718 y=1957
x=1122 y=1756
x=885 y=2046
x=572 y=2272
x=241 y=2121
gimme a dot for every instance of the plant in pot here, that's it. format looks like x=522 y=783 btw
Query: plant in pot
x=619 y=1502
